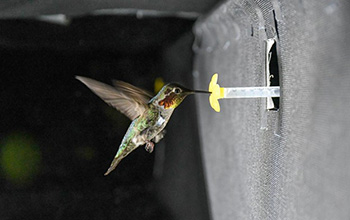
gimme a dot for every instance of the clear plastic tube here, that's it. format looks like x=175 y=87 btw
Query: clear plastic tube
x=252 y=92
x=218 y=92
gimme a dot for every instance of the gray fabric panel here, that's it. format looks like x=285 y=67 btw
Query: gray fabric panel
x=289 y=164
x=25 y=8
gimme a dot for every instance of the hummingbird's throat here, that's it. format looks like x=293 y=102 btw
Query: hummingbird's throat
x=168 y=101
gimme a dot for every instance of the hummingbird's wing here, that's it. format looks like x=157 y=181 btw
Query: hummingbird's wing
x=120 y=98
x=132 y=91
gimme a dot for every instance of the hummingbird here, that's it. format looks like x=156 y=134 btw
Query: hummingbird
x=149 y=115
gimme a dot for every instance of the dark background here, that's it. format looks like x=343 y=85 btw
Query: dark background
x=58 y=138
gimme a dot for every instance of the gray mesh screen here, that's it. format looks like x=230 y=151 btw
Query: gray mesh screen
x=286 y=164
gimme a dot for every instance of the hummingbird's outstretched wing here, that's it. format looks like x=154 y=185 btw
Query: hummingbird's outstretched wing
x=126 y=98
x=132 y=91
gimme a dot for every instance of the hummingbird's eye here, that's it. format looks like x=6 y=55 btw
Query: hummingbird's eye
x=177 y=90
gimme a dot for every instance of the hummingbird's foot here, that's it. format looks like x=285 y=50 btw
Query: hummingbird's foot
x=149 y=146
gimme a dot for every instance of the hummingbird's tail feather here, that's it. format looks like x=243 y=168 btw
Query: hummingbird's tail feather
x=114 y=164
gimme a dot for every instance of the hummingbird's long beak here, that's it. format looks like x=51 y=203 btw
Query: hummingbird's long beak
x=201 y=91
x=190 y=91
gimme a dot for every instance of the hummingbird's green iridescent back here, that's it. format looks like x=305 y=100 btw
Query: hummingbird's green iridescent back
x=142 y=130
